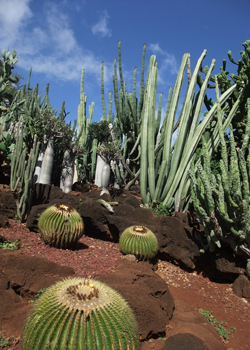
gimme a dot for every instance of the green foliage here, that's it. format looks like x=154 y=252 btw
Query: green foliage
x=81 y=314
x=3 y=343
x=139 y=241
x=160 y=209
x=8 y=81
x=9 y=245
x=61 y=226
x=218 y=325
x=37 y=296
x=100 y=131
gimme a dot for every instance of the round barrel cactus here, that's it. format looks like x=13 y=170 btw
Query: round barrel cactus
x=61 y=226
x=139 y=241
x=80 y=314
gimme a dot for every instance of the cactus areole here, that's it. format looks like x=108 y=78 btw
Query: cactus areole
x=140 y=241
x=61 y=226
x=80 y=314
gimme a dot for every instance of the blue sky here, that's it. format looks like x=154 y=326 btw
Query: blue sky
x=59 y=38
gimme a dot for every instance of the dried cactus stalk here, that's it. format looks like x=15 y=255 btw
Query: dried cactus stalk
x=61 y=226
x=80 y=314
x=140 y=241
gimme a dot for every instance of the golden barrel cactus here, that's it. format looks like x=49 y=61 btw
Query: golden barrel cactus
x=139 y=241
x=80 y=314
x=61 y=226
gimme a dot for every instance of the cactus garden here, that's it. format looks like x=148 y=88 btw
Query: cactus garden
x=123 y=220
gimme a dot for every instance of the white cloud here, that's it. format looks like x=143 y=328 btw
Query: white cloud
x=14 y=15
x=49 y=45
x=155 y=48
x=167 y=63
x=59 y=30
x=101 y=27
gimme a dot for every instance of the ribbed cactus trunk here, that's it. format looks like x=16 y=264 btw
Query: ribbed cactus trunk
x=105 y=178
x=39 y=162
x=47 y=164
x=67 y=175
x=98 y=172
x=75 y=176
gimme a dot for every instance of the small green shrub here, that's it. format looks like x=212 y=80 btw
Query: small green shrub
x=3 y=343
x=161 y=209
x=224 y=333
x=8 y=245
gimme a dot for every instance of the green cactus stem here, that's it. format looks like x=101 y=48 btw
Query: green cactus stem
x=80 y=314
x=139 y=241
x=61 y=226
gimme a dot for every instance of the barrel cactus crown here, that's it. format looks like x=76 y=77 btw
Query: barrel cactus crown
x=80 y=314
x=139 y=241
x=61 y=226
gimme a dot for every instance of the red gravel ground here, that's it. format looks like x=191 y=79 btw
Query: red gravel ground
x=90 y=258
x=93 y=257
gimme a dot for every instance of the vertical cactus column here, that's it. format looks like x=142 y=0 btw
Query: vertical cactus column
x=21 y=174
x=84 y=140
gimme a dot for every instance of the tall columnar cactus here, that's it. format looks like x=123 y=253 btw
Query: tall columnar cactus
x=222 y=202
x=160 y=164
x=139 y=241
x=22 y=173
x=85 y=164
x=173 y=181
x=80 y=314
x=61 y=226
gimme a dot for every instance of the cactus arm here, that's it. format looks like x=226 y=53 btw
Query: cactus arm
x=151 y=128
x=158 y=120
x=120 y=68
x=244 y=174
x=147 y=134
x=140 y=104
x=199 y=105
x=183 y=127
x=110 y=108
x=102 y=92
x=191 y=147
x=106 y=205
x=173 y=108
x=247 y=131
x=168 y=123
x=234 y=185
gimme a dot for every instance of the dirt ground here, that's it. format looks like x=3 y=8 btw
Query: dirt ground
x=193 y=288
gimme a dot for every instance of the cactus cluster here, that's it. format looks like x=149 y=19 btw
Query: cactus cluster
x=80 y=314
x=139 y=241
x=22 y=172
x=148 y=152
x=61 y=226
x=222 y=201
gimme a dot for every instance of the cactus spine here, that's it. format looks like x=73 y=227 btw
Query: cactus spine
x=139 y=241
x=61 y=226
x=80 y=314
